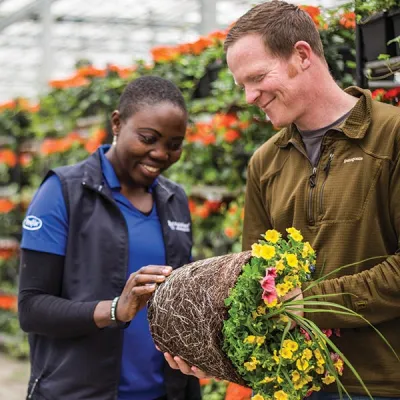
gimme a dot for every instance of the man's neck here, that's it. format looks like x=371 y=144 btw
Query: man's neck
x=329 y=103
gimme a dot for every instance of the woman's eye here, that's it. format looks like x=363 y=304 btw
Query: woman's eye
x=147 y=139
x=175 y=146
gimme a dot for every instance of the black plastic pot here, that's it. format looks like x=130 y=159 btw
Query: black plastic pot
x=203 y=88
x=394 y=19
x=376 y=31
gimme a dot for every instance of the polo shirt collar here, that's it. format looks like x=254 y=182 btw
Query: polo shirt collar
x=109 y=173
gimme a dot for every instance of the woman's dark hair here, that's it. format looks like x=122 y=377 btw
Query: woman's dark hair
x=148 y=91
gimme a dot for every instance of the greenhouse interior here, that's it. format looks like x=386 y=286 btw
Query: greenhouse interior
x=65 y=64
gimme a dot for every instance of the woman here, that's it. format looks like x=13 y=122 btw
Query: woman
x=97 y=239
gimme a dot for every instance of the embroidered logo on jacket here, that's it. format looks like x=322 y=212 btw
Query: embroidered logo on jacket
x=32 y=223
x=347 y=160
x=179 y=226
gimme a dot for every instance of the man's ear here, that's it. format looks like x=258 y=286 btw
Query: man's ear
x=115 y=122
x=304 y=53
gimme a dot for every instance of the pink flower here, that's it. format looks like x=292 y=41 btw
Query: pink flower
x=305 y=334
x=269 y=296
x=271 y=272
x=327 y=332
x=268 y=283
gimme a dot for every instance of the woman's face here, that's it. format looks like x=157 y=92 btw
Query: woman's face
x=148 y=143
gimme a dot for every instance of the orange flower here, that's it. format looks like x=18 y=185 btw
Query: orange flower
x=164 y=53
x=348 y=20
x=378 y=93
x=73 y=82
x=8 y=302
x=201 y=44
x=230 y=232
x=237 y=392
x=25 y=159
x=89 y=70
x=192 y=206
x=6 y=206
x=315 y=14
x=231 y=135
x=75 y=137
x=224 y=120
x=213 y=205
x=204 y=381
x=8 y=105
x=123 y=72
x=8 y=157
x=219 y=35
x=392 y=93
x=202 y=212
x=202 y=133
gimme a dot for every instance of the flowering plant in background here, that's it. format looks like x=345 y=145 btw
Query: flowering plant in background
x=277 y=361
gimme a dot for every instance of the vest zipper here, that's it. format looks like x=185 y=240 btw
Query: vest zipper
x=31 y=392
x=326 y=170
x=312 y=182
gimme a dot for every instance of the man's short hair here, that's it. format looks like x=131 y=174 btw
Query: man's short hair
x=281 y=25
x=149 y=90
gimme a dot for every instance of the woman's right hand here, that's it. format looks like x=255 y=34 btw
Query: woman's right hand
x=138 y=290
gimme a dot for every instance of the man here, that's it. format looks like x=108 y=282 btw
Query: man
x=333 y=172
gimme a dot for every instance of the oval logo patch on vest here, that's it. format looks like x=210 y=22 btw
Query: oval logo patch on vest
x=32 y=223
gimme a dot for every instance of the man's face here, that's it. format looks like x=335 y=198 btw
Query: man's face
x=272 y=83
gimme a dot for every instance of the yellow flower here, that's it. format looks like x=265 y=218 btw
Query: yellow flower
x=302 y=364
x=339 y=366
x=251 y=365
x=282 y=289
x=283 y=318
x=272 y=236
x=260 y=340
x=305 y=267
x=328 y=379
x=292 y=260
x=272 y=304
x=261 y=310
x=255 y=250
x=250 y=339
x=320 y=370
x=295 y=376
x=318 y=355
x=267 y=251
x=290 y=344
x=281 y=395
x=279 y=266
x=267 y=379
x=295 y=234
x=307 y=250
x=286 y=353
x=257 y=397
x=315 y=388
x=254 y=314
x=275 y=357
x=307 y=354
x=279 y=379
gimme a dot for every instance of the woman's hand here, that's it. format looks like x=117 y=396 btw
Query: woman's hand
x=138 y=290
x=178 y=363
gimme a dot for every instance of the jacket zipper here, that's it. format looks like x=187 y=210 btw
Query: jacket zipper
x=99 y=190
x=34 y=386
x=312 y=181
x=326 y=170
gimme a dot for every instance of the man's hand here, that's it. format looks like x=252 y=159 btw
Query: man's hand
x=178 y=363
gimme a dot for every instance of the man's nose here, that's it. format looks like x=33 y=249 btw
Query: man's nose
x=252 y=95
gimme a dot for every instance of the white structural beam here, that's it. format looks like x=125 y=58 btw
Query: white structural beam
x=45 y=69
x=22 y=13
x=208 y=14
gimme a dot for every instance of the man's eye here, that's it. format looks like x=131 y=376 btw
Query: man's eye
x=258 y=78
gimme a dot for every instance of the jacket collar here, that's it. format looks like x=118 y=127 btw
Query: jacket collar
x=355 y=126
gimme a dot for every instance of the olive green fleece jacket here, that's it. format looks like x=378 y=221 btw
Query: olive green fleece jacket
x=348 y=208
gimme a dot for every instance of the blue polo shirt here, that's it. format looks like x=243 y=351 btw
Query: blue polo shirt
x=45 y=229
